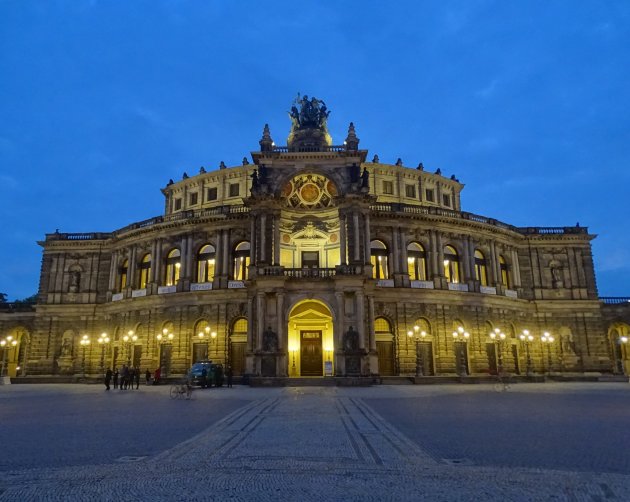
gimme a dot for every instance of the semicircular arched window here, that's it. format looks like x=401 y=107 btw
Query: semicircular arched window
x=378 y=258
x=205 y=263
x=481 y=270
x=503 y=269
x=144 y=271
x=173 y=266
x=451 y=265
x=416 y=262
x=122 y=275
x=241 y=261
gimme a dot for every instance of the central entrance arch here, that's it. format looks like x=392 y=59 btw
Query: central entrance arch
x=311 y=340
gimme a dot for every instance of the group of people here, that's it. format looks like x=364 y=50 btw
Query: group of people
x=127 y=377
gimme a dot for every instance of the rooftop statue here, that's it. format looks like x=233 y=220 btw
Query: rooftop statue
x=309 y=119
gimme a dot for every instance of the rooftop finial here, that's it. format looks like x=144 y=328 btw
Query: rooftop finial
x=266 y=143
x=352 y=142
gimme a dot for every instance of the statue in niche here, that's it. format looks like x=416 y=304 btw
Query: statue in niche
x=270 y=340
x=365 y=179
x=75 y=280
x=66 y=347
x=556 y=277
x=567 y=344
x=351 y=340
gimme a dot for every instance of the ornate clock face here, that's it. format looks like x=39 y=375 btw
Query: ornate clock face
x=309 y=191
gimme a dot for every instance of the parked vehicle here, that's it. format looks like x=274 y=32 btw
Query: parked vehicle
x=206 y=374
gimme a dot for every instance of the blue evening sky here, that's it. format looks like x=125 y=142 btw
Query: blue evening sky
x=101 y=102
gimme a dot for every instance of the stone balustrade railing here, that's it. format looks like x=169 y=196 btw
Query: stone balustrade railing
x=615 y=300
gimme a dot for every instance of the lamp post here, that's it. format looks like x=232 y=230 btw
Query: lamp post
x=623 y=345
x=129 y=339
x=103 y=341
x=461 y=336
x=527 y=339
x=418 y=336
x=498 y=337
x=163 y=338
x=85 y=342
x=547 y=339
x=6 y=344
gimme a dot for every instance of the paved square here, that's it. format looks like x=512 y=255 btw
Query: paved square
x=536 y=442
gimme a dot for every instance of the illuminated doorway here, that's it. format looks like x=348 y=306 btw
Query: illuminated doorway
x=310 y=333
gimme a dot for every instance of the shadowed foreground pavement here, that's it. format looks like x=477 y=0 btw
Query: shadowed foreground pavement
x=537 y=442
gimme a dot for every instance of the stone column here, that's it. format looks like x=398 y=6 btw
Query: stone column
x=396 y=252
x=440 y=254
x=467 y=270
x=152 y=275
x=226 y=252
x=263 y=238
x=131 y=273
x=433 y=256
x=280 y=320
x=516 y=271
x=276 y=240
x=343 y=250
x=355 y=221
x=260 y=320
x=156 y=261
x=494 y=265
x=361 y=319
x=218 y=258
x=252 y=240
x=189 y=257
x=366 y=251
x=250 y=325
x=112 y=270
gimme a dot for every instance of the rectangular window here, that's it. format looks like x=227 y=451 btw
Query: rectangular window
x=388 y=187
x=212 y=194
x=410 y=191
x=446 y=200
x=177 y=205
x=193 y=199
x=430 y=195
x=234 y=189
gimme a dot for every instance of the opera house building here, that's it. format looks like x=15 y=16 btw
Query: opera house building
x=315 y=260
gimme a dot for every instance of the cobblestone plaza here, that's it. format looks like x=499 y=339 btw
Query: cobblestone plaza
x=551 y=441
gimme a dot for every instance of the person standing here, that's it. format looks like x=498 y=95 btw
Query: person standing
x=115 y=378
x=136 y=373
x=158 y=375
x=147 y=375
x=228 y=374
x=108 y=378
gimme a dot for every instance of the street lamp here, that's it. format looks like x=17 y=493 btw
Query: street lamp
x=527 y=339
x=418 y=336
x=461 y=336
x=103 y=340
x=547 y=339
x=129 y=339
x=163 y=338
x=6 y=344
x=85 y=342
x=623 y=344
x=498 y=337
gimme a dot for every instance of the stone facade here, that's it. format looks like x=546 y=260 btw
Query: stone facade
x=315 y=245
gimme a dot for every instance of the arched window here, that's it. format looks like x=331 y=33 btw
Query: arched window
x=205 y=263
x=122 y=275
x=382 y=326
x=451 y=265
x=378 y=256
x=173 y=264
x=503 y=268
x=416 y=262
x=481 y=270
x=144 y=271
x=241 y=261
